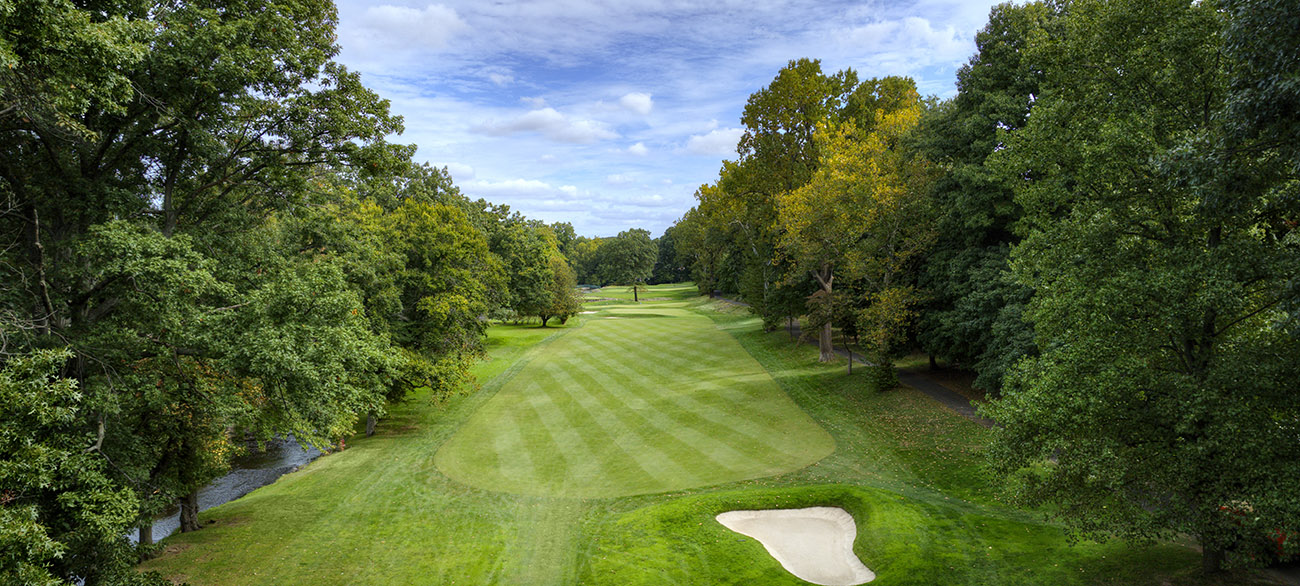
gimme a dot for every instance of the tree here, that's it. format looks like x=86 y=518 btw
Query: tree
x=973 y=316
x=134 y=204
x=1162 y=253
x=628 y=259
x=669 y=267
x=62 y=517
x=565 y=301
x=863 y=214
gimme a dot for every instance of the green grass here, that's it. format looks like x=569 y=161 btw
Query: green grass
x=673 y=292
x=641 y=400
x=383 y=512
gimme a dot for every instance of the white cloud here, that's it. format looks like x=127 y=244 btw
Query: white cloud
x=553 y=125
x=400 y=26
x=908 y=43
x=720 y=142
x=618 y=179
x=534 y=101
x=639 y=149
x=501 y=79
x=460 y=172
x=637 y=102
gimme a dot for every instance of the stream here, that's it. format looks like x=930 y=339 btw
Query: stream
x=248 y=473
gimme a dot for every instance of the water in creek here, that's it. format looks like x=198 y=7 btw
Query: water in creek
x=248 y=473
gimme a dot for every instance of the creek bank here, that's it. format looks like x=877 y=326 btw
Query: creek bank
x=248 y=473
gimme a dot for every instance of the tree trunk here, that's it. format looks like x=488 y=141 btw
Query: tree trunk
x=146 y=533
x=190 y=512
x=824 y=344
x=1212 y=559
x=635 y=299
x=933 y=365
x=850 y=349
x=790 y=322
x=826 y=278
x=371 y=420
x=545 y=318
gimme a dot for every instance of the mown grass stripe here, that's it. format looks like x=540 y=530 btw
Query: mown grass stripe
x=655 y=435
x=513 y=460
x=678 y=431
x=579 y=458
x=660 y=400
x=550 y=465
x=597 y=464
x=613 y=431
x=757 y=444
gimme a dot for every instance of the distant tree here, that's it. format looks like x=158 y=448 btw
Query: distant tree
x=564 y=300
x=628 y=259
x=565 y=238
x=585 y=258
x=669 y=267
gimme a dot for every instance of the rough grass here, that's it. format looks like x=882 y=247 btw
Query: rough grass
x=910 y=471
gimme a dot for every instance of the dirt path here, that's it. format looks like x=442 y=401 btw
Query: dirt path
x=919 y=381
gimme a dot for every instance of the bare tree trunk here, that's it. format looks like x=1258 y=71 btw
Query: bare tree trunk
x=1212 y=559
x=190 y=512
x=371 y=421
x=635 y=299
x=933 y=365
x=790 y=321
x=826 y=278
x=850 y=349
x=146 y=533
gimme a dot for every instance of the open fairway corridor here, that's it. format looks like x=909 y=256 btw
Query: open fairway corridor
x=600 y=452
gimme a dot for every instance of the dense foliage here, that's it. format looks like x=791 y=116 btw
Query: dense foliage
x=207 y=241
x=1101 y=224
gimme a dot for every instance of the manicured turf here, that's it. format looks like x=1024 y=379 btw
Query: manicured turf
x=909 y=470
x=640 y=400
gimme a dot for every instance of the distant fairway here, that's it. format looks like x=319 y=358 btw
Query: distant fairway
x=638 y=400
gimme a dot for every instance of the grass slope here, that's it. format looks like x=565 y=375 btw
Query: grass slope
x=640 y=400
x=383 y=513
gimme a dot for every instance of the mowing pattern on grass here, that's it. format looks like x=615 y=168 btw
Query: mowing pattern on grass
x=639 y=400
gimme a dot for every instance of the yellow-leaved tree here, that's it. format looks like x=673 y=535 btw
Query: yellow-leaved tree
x=863 y=217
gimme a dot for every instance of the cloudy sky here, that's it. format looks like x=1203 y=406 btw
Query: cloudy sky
x=609 y=113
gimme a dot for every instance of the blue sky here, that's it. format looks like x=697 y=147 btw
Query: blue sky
x=609 y=114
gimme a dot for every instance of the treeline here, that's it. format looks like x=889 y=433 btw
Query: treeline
x=208 y=241
x=1102 y=224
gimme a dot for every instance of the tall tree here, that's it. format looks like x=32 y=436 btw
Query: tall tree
x=564 y=300
x=628 y=259
x=134 y=201
x=974 y=314
x=1163 y=257
x=61 y=515
x=863 y=214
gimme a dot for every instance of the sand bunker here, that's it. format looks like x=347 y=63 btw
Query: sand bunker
x=814 y=544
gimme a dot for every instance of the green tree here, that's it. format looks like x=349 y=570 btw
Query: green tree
x=1162 y=256
x=628 y=259
x=62 y=516
x=136 y=224
x=973 y=317
x=564 y=299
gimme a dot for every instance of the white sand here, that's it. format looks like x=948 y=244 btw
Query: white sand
x=814 y=544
